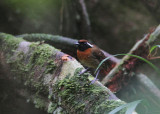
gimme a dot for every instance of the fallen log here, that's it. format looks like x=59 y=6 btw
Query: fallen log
x=145 y=42
x=53 y=77
x=69 y=47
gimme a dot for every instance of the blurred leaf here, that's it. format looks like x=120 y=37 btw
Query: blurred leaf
x=153 y=48
x=130 y=107
x=141 y=58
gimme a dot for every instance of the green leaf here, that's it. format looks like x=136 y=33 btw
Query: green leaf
x=117 y=109
x=153 y=48
x=130 y=107
x=141 y=58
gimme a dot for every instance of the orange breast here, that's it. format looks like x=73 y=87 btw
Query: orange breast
x=86 y=58
x=83 y=55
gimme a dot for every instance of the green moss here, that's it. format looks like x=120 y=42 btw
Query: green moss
x=75 y=91
x=68 y=88
x=40 y=63
x=32 y=66
x=52 y=107
x=39 y=87
x=10 y=42
x=79 y=96
x=109 y=105
x=50 y=66
x=80 y=107
x=39 y=103
x=41 y=53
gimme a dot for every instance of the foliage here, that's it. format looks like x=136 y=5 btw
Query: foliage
x=130 y=107
x=141 y=58
x=153 y=48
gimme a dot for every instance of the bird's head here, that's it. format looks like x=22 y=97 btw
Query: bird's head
x=82 y=45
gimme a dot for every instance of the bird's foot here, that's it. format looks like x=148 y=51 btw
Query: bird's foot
x=83 y=71
x=93 y=81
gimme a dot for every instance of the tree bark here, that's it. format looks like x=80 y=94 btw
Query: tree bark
x=137 y=49
x=53 y=78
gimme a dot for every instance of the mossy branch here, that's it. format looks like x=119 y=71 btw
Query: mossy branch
x=66 y=44
x=60 y=42
x=70 y=44
x=49 y=73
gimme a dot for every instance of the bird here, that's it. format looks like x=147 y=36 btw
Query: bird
x=90 y=56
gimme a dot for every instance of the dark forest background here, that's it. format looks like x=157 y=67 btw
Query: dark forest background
x=113 y=25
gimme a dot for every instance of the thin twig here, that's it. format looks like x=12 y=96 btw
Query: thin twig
x=66 y=44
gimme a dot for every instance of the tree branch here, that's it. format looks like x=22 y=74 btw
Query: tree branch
x=123 y=71
x=70 y=44
x=49 y=73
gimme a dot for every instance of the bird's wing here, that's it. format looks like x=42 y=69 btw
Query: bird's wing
x=98 y=54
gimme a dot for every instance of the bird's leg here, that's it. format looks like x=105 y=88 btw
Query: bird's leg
x=83 y=71
x=95 y=79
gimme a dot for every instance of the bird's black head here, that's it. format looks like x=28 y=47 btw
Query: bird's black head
x=82 y=45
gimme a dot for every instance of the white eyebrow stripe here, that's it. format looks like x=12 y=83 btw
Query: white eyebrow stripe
x=89 y=44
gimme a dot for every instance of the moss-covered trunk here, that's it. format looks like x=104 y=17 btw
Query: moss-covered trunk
x=52 y=77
